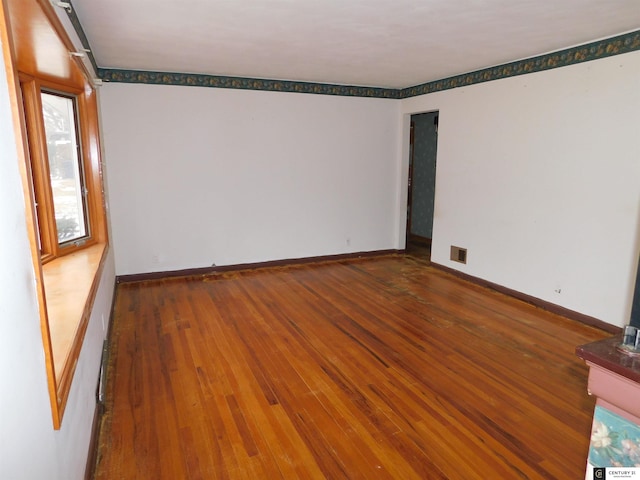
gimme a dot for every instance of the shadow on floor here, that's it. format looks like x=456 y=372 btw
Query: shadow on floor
x=419 y=249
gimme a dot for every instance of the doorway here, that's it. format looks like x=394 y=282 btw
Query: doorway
x=422 y=182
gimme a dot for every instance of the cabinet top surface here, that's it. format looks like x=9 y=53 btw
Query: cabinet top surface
x=605 y=354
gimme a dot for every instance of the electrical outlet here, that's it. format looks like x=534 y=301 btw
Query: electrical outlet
x=458 y=254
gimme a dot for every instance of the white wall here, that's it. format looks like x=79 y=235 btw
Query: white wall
x=538 y=176
x=29 y=447
x=200 y=176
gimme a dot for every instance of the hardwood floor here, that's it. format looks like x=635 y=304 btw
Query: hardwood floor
x=376 y=368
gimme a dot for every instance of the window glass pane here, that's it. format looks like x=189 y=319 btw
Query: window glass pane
x=67 y=182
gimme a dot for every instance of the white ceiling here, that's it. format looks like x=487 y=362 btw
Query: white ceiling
x=382 y=43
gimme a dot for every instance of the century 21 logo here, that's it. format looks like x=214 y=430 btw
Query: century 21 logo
x=599 y=473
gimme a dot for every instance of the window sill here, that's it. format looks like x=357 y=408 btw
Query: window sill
x=70 y=285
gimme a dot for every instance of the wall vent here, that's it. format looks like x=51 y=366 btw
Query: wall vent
x=458 y=254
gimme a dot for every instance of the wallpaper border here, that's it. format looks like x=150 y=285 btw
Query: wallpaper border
x=242 y=83
x=625 y=43
x=608 y=47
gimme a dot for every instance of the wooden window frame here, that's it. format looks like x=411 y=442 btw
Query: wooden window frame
x=36 y=53
x=50 y=249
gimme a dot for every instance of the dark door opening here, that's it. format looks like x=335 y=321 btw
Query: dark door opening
x=422 y=180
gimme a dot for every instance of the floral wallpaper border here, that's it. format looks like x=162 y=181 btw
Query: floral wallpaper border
x=242 y=83
x=626 y=43
x=617 y=45
x=615 y=441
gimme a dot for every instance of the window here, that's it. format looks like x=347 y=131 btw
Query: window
x=65 y=167
x=58 y=167
x=56 y=123
x=60 y=121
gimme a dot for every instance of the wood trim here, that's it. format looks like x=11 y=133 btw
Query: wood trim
x=190 y=272
x=412 y=141
x=85 y=124
x=548 y=306
x=55 y=22
x=31 y=30
x=44 y=46
x=38 y=165
x=65 y=377
x=93 y=166
x=20 y=134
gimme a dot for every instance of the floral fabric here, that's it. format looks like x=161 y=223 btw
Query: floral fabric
x=615 y=441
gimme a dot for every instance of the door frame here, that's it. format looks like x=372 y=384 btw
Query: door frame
x=409 y=237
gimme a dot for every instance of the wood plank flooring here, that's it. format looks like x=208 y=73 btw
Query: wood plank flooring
x=380 y=368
